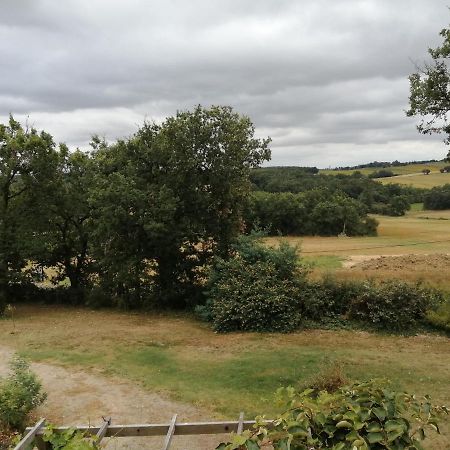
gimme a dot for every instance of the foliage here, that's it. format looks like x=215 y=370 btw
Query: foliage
x=328 y=299
x=374 y=196
x=440 y=318
x=257 y=289
x=393 y=305
x=429 y=88
x=27 y=164
x=364 y=415
x=330 y=378
x=315 y=212
x=20 y=393
x=437 y=198
x=382 y=173
x=70 y=439
x=168 y=199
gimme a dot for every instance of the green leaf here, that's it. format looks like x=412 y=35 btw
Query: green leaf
x=344 y=424
x=251 y=445
x=379 y=412
x=374 y=438
x=373 y=427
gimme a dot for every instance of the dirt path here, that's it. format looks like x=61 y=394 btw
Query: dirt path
x=76 y=397
x=411 y=262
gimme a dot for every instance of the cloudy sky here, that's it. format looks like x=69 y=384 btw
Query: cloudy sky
x=326 y=79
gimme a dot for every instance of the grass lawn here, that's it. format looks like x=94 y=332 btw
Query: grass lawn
x=226 y=373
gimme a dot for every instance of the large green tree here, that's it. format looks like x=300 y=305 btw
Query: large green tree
x=67 y=220
x=170 y=197
x=28 y=161
x=430 y=91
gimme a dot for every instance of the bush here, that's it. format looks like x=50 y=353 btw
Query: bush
x=394 y=305
x=328 y=298
x=360 y=416
x=440 y=318
x=20 y=393
x=257 y=289
x=437 y=198
x=382 y=173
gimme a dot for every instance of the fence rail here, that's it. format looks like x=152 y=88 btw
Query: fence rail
x=170 y=429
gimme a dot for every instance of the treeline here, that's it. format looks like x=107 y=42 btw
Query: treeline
x=437 y=198
x=131 y=223
x=384 y=164
x=293 y=200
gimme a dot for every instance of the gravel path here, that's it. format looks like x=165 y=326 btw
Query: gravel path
x=76 y=397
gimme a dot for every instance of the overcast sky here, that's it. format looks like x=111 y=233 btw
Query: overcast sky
x=326 y=79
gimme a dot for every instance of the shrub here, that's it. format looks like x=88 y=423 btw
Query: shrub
x=440 y=318
x=257 y=289
x=437 y=198
x=328 y=298
x=330 y=378
x=382 y=173
x=360 y=416
x=394 y=305
x=20 y=393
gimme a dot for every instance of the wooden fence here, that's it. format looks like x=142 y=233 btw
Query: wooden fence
x=173 y=428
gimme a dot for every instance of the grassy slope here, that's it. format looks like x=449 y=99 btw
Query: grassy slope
x=176 y=355
x=419 y=232
x=408 y=175
x=400 y=170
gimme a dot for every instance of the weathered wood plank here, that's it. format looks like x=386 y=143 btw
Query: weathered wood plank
x=188 y=428
x=240 y=427
x=103 y=429
x=30 y=436
x=170 y=433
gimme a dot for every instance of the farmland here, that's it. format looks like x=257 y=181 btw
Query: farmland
x=408 y=175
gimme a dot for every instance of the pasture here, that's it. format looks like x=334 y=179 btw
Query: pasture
x=183 y=359
x=400 y=170
x=409 y=175
x=419 y=232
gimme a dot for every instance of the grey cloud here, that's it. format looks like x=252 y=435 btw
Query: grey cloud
x=307 y=73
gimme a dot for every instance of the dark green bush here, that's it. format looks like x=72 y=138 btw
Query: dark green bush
x=328 y=298
x=394 y=305
x=258 y=289
x=437 y=198
x=20 y=393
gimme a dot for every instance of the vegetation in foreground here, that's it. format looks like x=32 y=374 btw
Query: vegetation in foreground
x=358 y=416
x=20 y=394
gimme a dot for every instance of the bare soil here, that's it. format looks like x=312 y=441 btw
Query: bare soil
x=412 y=262
x=79 y=398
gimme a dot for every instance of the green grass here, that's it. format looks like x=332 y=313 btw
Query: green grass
x=400 y=170
x=323 y=262
x=178 y=356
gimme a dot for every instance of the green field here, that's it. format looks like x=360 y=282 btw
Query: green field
x=410 y=175
x=400 y=170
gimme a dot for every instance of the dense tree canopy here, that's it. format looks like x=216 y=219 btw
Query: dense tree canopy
x=28 y=162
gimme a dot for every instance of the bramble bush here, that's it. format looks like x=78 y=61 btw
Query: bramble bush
x=361 y=416
x=20 y=393
x=394 y=305
x=257 y=289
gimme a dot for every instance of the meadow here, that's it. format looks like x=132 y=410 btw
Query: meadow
x=409 y=175
x=400 y=170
